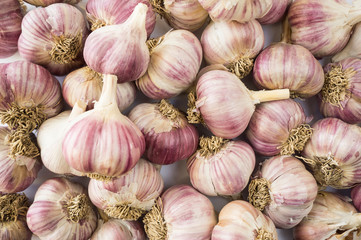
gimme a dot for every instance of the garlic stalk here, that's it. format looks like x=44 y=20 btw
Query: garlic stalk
x=44 y=3
x=352 y=49
x=276 y=12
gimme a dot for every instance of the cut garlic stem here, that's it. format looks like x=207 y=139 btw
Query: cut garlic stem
x=109 y=91
x=270 y=95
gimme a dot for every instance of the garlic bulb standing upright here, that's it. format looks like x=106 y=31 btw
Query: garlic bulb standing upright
x=54 y=37
x=276 y=12
x=353 y=48
x=44 y=3
x=233 y=44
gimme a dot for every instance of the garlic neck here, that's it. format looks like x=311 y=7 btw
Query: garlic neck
x=124 y=211
x=109 y=91
x=269 y=95
x=154 y=223
x=78 y=109
x=211 y=146
x=66 y=48
x=77 y=208
x=242 y=67
x=286 y=33
x=259 y=195
x=12 y=206
x=297 y=139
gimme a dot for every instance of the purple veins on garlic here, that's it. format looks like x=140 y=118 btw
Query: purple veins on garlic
x=44 y=3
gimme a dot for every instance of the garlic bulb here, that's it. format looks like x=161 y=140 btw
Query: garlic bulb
x=341 y=94
x=356 y=196
x=51 y=133
x=333 y=153
x=352 y=49
x=168 y=135
x=13 y=208
x=86 y=84
x=276 y=12
x=180 y=213
x=289 y=132
x=103 y=143
x=113 y=12
x=44 y=3
x=221 y=167
x=175 y=59
x=331 y=217
x=10 y=25
x=120 y=49
x=54 y=37
x=216 y=87
x=285 y=201
x=240 y=220
x=323 y=27
x=233 y=44
x=129 y=196
x=61 y=210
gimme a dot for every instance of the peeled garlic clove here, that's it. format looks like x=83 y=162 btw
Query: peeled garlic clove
x=180 y=213
x=333 y=153
x=221 y=167
x=121 y=49
x=341 y=94
x=54 y=38
x=289 y=132
x=331 y=217
x=61 y=210
x=356 y=196
x=115 y=229
x=113 y=12
x=86 y=84
x=44 y=3
x=240 y=220
x=175 y=59
x=352 y=49
x=13 y=208
x=276 y=12
x=233 y=44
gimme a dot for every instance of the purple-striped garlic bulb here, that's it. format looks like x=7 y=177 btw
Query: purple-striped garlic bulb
x=353 y=48
x=61 y=210
x=180 y=213
x=276 y=12
x=113 y=12
x=332 y=217
x=44 y=3
x=341 y=93
x=356 y=196
x=86 y=84
x=221 y=167
x=217 y=87
x=284 y=190
x=10 y=25
x=233 y=44
x=54 y=37
x=168 y=135
x=102 y=142
x=175 y=59
x=289 y=132
x=121 y=49
x=13 y=209
x=181 y=14
x=323 y=27
x=333 y=153
x=240 y=220
x=129 y=196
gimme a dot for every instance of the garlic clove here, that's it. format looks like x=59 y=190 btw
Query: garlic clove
x=44 y=3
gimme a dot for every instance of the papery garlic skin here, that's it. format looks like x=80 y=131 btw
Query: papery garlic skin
x=112 y=12
x=61 y=210
x=54 y=38
x=352 y=49
x=174 y=63
x=276 y=12
x=240 y=220
x=356 y=196
x=44 y=3
x=115 y=229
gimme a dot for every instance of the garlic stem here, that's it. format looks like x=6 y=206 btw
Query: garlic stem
x=211 y=146
x=138 y=18
x=77 y=208
x=286 y=31
x=296 y=140
x=124 y=211
x=78 y=109
x=109 y=91
x=154 y=223
x=270 y=95
x=259 y=195
x=12 y=206
x=242 y=67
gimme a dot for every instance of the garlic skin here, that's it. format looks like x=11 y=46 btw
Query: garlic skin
x=333 y=153
x=61 y=210
x=233 y=44
x=45 y=3
x=175 y=59
x=240 y=220
x=115 y=229
x=276 y=12
x=356 y=196
x=113 y=12
x=54 y=38
x=10 y=25
x=285 y=201
x=221 y=167
x=86 y=84
x=352 y=49
x=121 y=49
x=323 y=27
x=130 y=195
x=180 y=213
x=331 y=217
x=341 y=94
x=289 y=132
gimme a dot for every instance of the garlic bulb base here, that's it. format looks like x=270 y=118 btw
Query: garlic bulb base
x=296 y=140
x=95 y=23
x=259 y=195
x=22 y=144
x=193 y=114
x=263 y=234
x=158 y=7
x=66 y=48
x=99 y=177
x=77 y=208
x=210 y=146
x=124 y=212
x=13 y=206
x=242 y=67
x=168 y=110
x=154 y=223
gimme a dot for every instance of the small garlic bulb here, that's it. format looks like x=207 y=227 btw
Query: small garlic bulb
x=129 y=196
x=233 y=44
x=289 y=132
x=341 y=94
x=356 y=196
x=44 y=3
x=276 y=12
x=353 y=48
x=240 y=220
x=61 y=210
x=275 y=192
x=86 y=84
x=13 y=209
x=54 y=37
x=180 y=213
x=333 y=153
x=332 y=217
x=175 y=59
